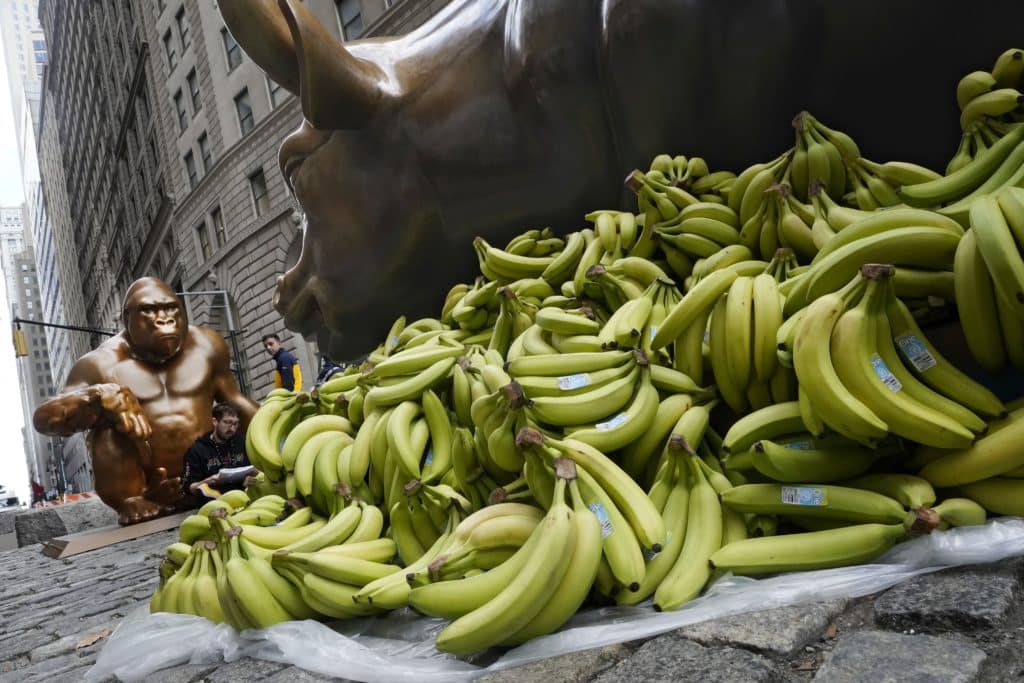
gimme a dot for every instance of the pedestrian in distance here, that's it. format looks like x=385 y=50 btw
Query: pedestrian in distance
x=287 y=373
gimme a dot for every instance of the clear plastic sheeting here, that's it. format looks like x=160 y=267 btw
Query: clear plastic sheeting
x=400 y=646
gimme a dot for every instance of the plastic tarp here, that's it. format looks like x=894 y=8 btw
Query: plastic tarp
x=399 y=646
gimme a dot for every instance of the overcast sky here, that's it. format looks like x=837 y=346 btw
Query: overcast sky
x=13 y=470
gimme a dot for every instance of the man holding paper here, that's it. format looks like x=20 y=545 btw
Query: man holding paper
x=216 y=461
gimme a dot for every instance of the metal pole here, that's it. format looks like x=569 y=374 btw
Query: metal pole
x=232 y=333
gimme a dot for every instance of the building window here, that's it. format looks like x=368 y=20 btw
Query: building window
x=243 y=107
x=204 y=151
x=217 y=219
x=193 y=90
x=182 y=23
x=258 y=188
x=172 y=57
x=350 y=18
x=204 y=241
x=179 y=106
x=231 y=49
x=276 y=93
x=190 y=170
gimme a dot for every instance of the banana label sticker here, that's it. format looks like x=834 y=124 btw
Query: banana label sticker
x=394 y=342
x=804 y=495
x=884 y=374
x=602 y=517
x=916 y=352
x=654 y=331
x=800 y=445
x=570 y=382
x=429 y=459
x=616 y=421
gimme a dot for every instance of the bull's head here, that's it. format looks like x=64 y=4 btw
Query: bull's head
x=410 y=146
x=329 y=165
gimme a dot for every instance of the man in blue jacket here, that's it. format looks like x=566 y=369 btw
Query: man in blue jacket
x=287 y=373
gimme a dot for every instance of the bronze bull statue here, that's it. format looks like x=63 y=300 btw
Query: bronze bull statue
x=498 y=115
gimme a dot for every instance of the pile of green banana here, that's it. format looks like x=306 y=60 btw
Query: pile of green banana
x=731 y=378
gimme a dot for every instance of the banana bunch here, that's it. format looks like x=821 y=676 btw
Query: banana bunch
x=420 y=517
x=275 y=418
x=469 y=473
x=630 y=522
x=264 y=511
x=633 y=324
x=855 y=381
x=326 y=580
x=606 y=399
x=699 y=230
x=411 y=442
x=482 y=542
x=693 y=175
x=502 y=265
x=991 y=94
x=908 y=238
x=514 y=318
x=820 y=154
x=537 y=242
x=192 y=587
x=667 y=199
x=334 y=395
x=742 y=330
x=697 y=532
x=309 y=456
x=556 y=565
x=498 y=416
x=978 y=136
x=393 y=591
x=197 y=527
x=989 y=280
x=996 y=166
x=250 y=592
x=788 y=227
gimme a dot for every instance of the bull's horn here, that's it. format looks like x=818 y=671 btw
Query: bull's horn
x=338 y=90
x=261 y=30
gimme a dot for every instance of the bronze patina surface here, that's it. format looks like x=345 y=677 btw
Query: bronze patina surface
x=145 y=395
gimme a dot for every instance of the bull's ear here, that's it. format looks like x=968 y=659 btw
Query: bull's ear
x=337 y=89
x=260 y=28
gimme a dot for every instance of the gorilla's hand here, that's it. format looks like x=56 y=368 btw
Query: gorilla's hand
x=123 y=409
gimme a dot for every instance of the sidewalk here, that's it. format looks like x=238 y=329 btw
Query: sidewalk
x=963 y=624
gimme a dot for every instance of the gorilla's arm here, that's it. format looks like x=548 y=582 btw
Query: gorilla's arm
x=88 y=401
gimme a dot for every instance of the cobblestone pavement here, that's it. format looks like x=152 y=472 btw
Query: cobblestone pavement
x=963 y=624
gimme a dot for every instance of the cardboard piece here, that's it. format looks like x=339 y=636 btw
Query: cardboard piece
x=84 y=541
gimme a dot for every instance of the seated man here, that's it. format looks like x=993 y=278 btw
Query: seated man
x=222 y=447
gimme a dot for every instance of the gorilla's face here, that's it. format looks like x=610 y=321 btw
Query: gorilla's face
x=155 y=323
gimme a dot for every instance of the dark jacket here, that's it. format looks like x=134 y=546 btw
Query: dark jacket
x=205 y=457
x=287 y=373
